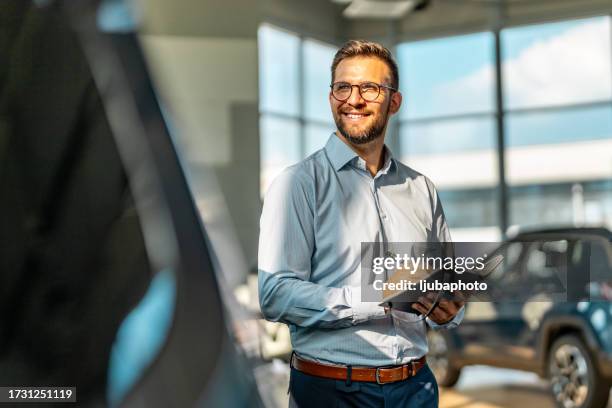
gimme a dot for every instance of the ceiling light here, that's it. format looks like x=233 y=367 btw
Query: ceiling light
x=384 y=9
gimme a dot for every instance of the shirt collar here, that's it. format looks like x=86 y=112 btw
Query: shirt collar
x=340 y=154
x=389 y=160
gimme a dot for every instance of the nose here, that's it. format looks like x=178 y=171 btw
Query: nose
x=355 y=99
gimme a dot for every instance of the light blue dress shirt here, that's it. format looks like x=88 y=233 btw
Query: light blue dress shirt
x=315 y=216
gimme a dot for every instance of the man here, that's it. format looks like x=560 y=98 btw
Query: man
x=316 y=214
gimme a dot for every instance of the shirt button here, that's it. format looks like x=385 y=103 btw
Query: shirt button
x=384 y=217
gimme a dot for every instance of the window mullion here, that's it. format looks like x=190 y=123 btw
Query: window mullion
x=301 y=98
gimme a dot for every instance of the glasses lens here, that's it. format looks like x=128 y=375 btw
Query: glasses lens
x=369 y=91
x=342 y=90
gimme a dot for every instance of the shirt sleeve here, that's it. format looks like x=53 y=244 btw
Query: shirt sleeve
x=439 y=227
x=286 y=245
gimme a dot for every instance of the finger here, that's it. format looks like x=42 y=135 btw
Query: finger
x=457 y=304
x=441 y=317
x=420 y=308
x=448 y=311
x=442 y=310
x=452 y=308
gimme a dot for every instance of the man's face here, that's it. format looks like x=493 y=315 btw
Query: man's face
x=360 y=121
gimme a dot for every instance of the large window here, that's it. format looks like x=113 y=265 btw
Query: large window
x=447 y=126
x=558 y=122
x=557 y=63
x=294 y=78
x=557 y=115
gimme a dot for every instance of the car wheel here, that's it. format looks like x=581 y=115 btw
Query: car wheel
x=438 y=359
x=574 y=378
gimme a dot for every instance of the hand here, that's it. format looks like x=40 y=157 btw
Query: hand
x=444 y=312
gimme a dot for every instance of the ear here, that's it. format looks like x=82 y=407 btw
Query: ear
x=396 y=102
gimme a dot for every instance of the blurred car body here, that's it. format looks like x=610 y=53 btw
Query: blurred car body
x=95 y=207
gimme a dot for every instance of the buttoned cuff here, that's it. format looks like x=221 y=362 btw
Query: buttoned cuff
x=448 y=325
x=364 y=311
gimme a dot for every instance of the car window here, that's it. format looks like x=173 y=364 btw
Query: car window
x=546 y=258
x=546 y=266
x=599 y=259
x=600 y=262
x=508 y=271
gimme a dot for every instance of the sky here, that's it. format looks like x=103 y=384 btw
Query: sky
x=546 y=65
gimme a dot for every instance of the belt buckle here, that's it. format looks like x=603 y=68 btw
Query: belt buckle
x=378 y=380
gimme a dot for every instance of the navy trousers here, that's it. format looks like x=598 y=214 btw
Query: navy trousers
x=306 y=391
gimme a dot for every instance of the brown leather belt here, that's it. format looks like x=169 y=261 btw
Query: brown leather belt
x=380 y=375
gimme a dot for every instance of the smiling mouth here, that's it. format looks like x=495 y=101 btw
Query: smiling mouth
x=355 y=116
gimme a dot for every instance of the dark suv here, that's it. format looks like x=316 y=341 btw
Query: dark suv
x=569 y=342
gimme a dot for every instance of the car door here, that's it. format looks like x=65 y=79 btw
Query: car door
x=487 y=326
x=542 y=282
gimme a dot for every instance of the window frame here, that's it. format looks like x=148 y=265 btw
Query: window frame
x=500 y=111
x=301 y=117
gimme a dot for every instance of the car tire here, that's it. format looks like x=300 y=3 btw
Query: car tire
x=439 y=361
x=574 y=377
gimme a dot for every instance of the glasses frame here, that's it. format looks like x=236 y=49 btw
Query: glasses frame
x=360 y=91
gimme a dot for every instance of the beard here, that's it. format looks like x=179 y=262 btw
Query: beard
x=370 y=133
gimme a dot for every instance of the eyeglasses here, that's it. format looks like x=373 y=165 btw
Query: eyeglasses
x=369 y=91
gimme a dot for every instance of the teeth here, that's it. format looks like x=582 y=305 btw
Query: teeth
x=354 y=116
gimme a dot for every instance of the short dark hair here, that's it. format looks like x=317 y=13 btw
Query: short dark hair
x=363 y=48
